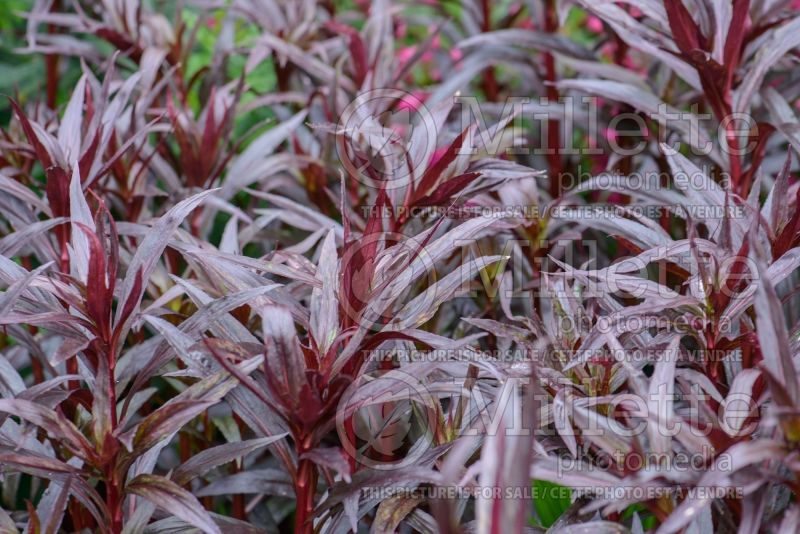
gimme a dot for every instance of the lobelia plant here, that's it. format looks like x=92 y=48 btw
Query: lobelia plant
x=398 y=267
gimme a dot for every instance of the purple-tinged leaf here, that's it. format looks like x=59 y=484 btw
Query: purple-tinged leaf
x=773 y=338
x=174 y=500
x=54 y=423
x=508 y=447
x=737 y=457
x=268 y=481
x=149 y=252
x=205 y=461
x=324 y=301
x=331 y=457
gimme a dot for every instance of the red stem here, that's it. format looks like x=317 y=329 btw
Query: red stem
x=114 y=498
x=735 y=160
x=489 y=81
x=304 y=487
x=553 y=126
x=114 y=493
x=51 y=66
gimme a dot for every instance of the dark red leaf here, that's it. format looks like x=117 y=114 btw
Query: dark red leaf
x=686 y=33
x=446 y=190
x=41 y=152
x=433 y=173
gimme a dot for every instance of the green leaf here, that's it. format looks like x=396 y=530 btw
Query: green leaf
x=550 y=501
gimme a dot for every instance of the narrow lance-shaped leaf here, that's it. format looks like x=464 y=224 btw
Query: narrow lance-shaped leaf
x=203 y=462
x=149 y=251
x=174 y=500
x=773 y=337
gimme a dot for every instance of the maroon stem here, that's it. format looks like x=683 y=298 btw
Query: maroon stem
x=114 y=498
x=304 y=487
x=553 y=126
x=735 y=161
x=114 y=492
x=489 y=81
x=51 y=67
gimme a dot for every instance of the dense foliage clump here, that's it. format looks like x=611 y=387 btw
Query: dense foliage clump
x=287 y=265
